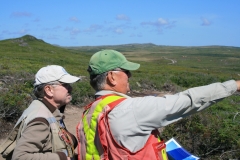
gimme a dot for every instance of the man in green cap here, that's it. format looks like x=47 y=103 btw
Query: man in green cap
x=116 y=126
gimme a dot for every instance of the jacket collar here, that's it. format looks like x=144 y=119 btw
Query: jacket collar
x=48 y=105
x=56 y=112
x=105 y=92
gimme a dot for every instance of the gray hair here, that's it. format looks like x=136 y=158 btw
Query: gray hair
x=98 y=81
x=39 y=89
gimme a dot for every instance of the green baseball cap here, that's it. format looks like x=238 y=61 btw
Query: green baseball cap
x=107 y=60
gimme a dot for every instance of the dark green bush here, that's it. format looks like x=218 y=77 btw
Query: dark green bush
x=210 y=134
x=16 y=94
x=193 y=79
x=82 y=93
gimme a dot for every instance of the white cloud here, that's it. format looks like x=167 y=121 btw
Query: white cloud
x=74 y=19
x=118 y=31
x=36 y=20
x=53 y=29
x=23 y=31
x=93 y=28
x=135 y=35
x=122 y=17
x=56 y=27
x=162 y=21
x=5 y=31
x=72 y=31
x=21 y=14
x=160 y=24
x=205 y=22
x=52 y=37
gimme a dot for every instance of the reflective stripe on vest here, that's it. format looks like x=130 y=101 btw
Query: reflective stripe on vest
x=90 y=129
x=96 y=140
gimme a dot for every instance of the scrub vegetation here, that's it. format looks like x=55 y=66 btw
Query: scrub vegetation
x=211 y=134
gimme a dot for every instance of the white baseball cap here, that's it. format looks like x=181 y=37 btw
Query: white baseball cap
x=53 y=73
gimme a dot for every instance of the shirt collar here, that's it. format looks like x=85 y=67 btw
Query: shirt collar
x=105 y=92
x=56 y=112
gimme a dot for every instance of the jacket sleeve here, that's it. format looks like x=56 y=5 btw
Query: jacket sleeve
x=155 y=112
x=35 y=143
x=144 y=114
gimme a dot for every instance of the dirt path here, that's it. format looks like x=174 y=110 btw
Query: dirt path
x=172 y=61
x=72 y=116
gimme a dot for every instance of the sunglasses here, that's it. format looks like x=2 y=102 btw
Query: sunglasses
x=127 y=72
x=65 y=85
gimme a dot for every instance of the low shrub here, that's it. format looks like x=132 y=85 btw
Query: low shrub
x=16 y=94
x=210 y=134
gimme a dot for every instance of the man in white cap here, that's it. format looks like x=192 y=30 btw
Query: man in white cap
x=42 y=133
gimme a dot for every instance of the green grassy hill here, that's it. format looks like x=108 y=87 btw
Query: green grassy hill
x=28 y=54
x=209 y=134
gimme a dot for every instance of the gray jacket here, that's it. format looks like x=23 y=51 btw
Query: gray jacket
x=132 y=121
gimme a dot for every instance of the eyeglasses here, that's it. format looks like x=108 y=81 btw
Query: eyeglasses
x=65 y=85
x=127 y=72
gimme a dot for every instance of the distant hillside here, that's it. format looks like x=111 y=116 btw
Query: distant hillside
x=218 y=60
x=28 y=53
x=144 y=46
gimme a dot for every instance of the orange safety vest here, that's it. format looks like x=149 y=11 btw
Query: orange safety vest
x=96 y=140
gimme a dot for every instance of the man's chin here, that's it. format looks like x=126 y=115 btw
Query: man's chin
x=68 y=99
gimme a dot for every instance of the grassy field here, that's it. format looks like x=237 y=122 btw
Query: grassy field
x=203 y=64
x=29 y=54
x=215 y=60
x=163 y=68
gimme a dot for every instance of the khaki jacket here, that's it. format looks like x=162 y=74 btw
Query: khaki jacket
x=39 y=137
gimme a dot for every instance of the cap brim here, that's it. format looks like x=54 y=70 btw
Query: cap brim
x=67 y=78
x=130 y=66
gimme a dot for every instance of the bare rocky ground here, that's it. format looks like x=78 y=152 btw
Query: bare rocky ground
x=72 y=117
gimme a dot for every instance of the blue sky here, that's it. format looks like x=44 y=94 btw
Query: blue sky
x=109 y=22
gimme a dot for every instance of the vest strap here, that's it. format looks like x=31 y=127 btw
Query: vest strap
x=105 y=102
x=9 y=144
x=67 y=140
